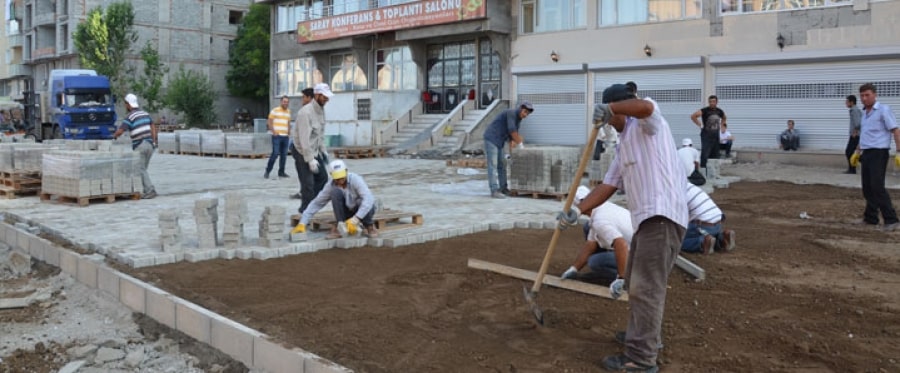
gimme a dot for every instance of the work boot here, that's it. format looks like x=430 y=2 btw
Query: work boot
x=284 y=175
x=266 y=175
x=296 y=196
x=890 y=227
x=506 y=191
x=498 y=195
x=150 y=195
x=709 y=245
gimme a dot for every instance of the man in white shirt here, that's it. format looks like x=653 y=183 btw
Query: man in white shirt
x=690 y=157
x=608 y=235
x=705 y=233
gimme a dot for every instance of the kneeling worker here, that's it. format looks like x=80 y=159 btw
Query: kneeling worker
x=605 y=250
x=351 y=200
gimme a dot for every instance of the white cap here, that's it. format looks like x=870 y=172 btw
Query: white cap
x=581 y=192
x=132 y=101
x=687 y=142
x=338 y=169
x=323 y=89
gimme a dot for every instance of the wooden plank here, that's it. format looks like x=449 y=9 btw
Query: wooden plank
x=573 y=285
x=9 y=303
x=691 y=268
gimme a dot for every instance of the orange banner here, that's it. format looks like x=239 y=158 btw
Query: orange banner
x=404 y=16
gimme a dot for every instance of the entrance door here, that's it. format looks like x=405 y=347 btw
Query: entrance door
x=489 y=73
x=451 y=74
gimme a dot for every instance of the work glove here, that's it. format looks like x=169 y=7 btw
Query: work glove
x=617 y=288
x=520 y=146
x=897 y=160
x=353 y=226
x=314 y=166
x=568 y=218
x=854 y=160
x=300 y=228
x=569 y=273
x=602 y=114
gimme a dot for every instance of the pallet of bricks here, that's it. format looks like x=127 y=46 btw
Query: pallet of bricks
x=467 y=163
x=210 y=143
x=20 y=168
x=543 y=172
x=83 y=176
x=248 y=145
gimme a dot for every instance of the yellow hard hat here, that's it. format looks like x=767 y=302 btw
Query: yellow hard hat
x=338 y=169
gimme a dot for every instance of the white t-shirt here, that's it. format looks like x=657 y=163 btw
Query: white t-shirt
x=688 y=155
x=608 y=222
x=723 y=136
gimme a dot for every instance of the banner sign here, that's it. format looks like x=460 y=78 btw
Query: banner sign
x=404 y=16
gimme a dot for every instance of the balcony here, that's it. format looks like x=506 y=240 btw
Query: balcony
x=15 y=41
x=17 y=69
x=39 y=53
x=44 y=19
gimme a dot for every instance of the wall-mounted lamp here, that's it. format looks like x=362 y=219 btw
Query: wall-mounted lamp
x=554 y=56
x=780 y=41
x=647 y=50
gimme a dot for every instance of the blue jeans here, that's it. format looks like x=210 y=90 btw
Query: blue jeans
x=496 y=167
x=604 y=261
x=342 y=212
x=693 y=237
x=279 y=149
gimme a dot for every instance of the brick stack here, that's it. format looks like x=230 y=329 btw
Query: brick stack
x=89 y=173
x=189 y=141
x=235 y=216
x=543 y=169
x=22 y=157
x=248 y=144
x=271 y=226
x=212 y=142
x=170 y=231
x=167 y=142
x=206 y=214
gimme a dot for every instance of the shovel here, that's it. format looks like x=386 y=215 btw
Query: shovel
x=531 y=295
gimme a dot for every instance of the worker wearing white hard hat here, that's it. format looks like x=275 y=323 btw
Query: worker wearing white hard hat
x=607 y=237
x=352 y=201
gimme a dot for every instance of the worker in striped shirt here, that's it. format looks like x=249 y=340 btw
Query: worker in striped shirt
x=140 y=126
x=704 y=232
x=279 y=125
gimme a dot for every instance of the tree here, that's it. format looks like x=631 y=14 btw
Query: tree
x=148 y=84
x=192 y=94
x=249 y=56
x=104 y=40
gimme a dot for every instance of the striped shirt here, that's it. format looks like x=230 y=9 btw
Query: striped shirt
x=138 y=124
x=647 y=166
x=700 y=206
x=281 y=119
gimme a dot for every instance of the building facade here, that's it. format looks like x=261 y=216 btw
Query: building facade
x=13 y=70
x=382 y=57
x=767 y=60
x=192 y=34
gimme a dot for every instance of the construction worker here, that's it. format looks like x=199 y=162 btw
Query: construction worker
x=504 y=128
x=309 y=142
x=607 y=237
x=705 y=233
x=351 y=200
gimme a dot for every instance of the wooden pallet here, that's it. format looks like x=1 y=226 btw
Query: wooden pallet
x=467 y=163
x=13 y=193
x=24 y=180
x=537 y=195
x=168 y=152
x=247 y=156
x=384 y=220
x=358 y=152
x=84 y=201
x=199 y=154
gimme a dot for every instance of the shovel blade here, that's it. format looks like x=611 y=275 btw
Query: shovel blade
x=533 y=306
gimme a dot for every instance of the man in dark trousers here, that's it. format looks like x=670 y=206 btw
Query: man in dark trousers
x=504 y=128
x=855 y=123
x=309 y=141
x=877 y=127
x=307 y=97
x=712 y=117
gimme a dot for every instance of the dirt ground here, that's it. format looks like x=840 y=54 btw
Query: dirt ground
x=798 y=295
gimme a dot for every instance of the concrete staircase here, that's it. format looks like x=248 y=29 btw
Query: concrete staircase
x=471 y=118
x=420 y=123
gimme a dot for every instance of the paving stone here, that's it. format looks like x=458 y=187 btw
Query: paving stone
x=243 y=254
x=521 y=225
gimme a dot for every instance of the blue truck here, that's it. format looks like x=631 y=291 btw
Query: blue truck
x=79 y=105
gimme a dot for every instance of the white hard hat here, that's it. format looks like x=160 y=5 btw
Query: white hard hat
x=337 y=169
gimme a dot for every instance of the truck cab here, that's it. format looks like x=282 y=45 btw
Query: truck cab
x=80 y=106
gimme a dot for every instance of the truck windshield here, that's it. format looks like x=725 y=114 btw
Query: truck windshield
x=83 y=99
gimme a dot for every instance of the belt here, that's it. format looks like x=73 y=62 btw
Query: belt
x=705 y=224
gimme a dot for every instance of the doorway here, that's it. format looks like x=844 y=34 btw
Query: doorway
x=451 y=74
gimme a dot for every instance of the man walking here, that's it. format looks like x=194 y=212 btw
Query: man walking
x=855 y=123
x=505 y=127
x=307 y=97
x=712 y=117
x=309 y=142
x=143 y=139
x=878 y=124
x=279 y=126
x=646 y=165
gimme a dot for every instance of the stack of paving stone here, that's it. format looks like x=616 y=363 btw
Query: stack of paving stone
x=271 y=227
x=22 y=157
x=76 y=173
x=212 y=142
x=189 y=141
x=167 y=142
x=597 y=169
x=94 y=145
x=235 y=216
x=248 y=144
x=543 y=169
x=206 y=214
x=170 y=231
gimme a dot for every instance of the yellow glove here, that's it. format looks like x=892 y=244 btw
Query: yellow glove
x=300 y=228
x=854 y=160
x=352 y=226
x=897 y=160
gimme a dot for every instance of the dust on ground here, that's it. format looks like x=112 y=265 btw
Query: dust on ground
x=817 y=294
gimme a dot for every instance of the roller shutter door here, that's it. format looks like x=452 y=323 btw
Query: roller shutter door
x=678 y=92
x=760 y=99
x=560 y=111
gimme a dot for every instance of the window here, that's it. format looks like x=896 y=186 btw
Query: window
x=346 y=74
x=623 y=12
x=292 y=76
x=349 y=6
x=235 y=16
x=287 y=16
x=753 y=6
x=552 y=15
x=396 y=69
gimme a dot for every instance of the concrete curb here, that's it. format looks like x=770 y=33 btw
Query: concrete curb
x=254 y=349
